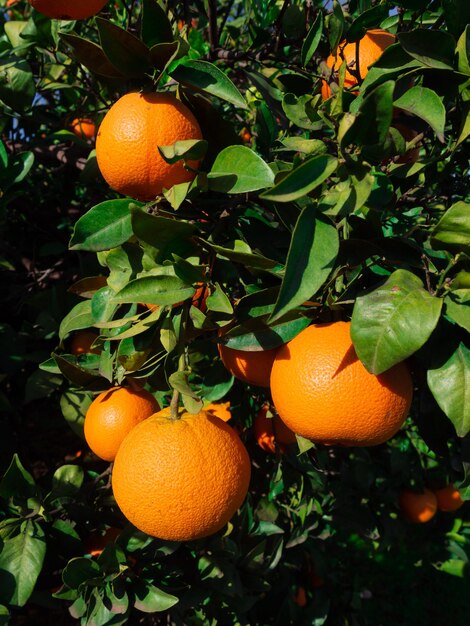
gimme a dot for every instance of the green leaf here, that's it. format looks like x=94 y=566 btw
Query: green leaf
x=458 y=307
x=151 y=599
x=156 y=27
x=450 y=386
x=74 y=404
x=22 y=557
x=188 y=149
x=105 y=226
x=335 y=25
x=208 y=78
x=393 y=321
x=303 y=179
x=427 y=105
x=433 y=48
x=301 y=111
x=79 y=571
x=17 y=86
x=239 y=252
x=80 y=376
x=4 y=615
x=78 y=318
x=161 y=290
x=237 y=169
x=17 y=482
x=312 y=40
x=258 y=334
x=219 y=301
x=91 y=56
x=452 y=232
x=312 y=147
x=66 y=482
x=367 y=20
x=126 y=52
x=463 y=52
x=166 y=236
x=311 y=256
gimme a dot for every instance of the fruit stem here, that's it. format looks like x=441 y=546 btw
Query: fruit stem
x=174 y=405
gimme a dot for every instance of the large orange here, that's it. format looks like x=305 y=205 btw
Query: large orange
x=418 y=507
x=129 y=137
x=371 y=47
x=181 y=479
x=323 y=392
x=252 y=367
x=448 y=498
x=112 y=415
x=271 y=431
x=68 y=9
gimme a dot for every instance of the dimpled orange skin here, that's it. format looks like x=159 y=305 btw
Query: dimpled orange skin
x=448 y=498
x=371 y=47
x=68 y=9
x=181 y=479
x=128 y=140
x=418 y=508
x=270 y=431
x=252 y=367
x=83 y=128
x=323 y=392
x=112 y=415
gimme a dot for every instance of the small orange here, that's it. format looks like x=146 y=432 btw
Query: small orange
x=448 y=498
x=84 y=128
x=112 y=415
x=96 y=543
x=129 y=137
x=300 y=597
x=418 y=507
x=68 y=9
x=220 y=410
x=245 y=135
x=371 y=47
x=252 y=367
x=181 y=479
x=324 y=393
x=82 y=341
x=272 y=432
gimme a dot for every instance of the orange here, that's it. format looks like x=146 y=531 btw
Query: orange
x=323 y=392
x=220 y=410
x=95 y=543
x=448 y=498
x=112 y=415
x=181 y=479
x=245 y=135
x=252 y=367
x=82 y=341
x=418 y=507
x=300 y=597
x=271 y=432
x=371 y=47
x=84 y=128
x=129 y=137
x=68 y=9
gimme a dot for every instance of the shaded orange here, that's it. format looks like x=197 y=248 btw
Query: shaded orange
x=112 y=415
x=448 y=498
x=323 y=392
x=251 y=367
x=220 y=410
x=84 y=128
x=95 y=543
x=418 y=507
x=68 y=9
x=371 y=47
x=271 y=432
x=82 y=341
x=300 y=597
x=129 y=137
x=181 y=479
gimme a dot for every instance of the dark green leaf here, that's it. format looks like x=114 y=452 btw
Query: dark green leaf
x=78 y=375
x=239 y=252
x=161 y=290
x=74 y=405
x=17 y=86
x=301 y=111
x=237 y=169
x=393 y=321
x=17 y=481
x=257 y=334
x=105 y=226
x=79 y=571
x=66 y=481
x=312 y=40
x=155 y=27
x=166 y=236
x=303 y=179
x=463 y=51
x=427 y=105
x=78 y=318
x=433 y=48
x=452 y=232
x=189 y=149
x=206 y=77
x=458 y=307
x=312 y=253
x=91 y=56
x=450 y=386
x=335 y=25
x=151 y=599
x=367 y=20
x=128 y=54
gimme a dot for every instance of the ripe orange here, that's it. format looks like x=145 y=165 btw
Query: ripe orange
x=181 y=479
x=245 y=135
x=68 y=10
x=220 y=410
x=82 y=341
x=84 y=128
x=270 y=431
x=418 y=507
x=323 y=392
x=128 y=140
x=112 y=415
x=371 y=47
x=253 y=368
x=448 y=498
x=96 y=543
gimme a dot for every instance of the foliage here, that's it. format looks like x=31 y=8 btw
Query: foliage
x=319 y=216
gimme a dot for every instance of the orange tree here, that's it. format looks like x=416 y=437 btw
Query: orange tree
x=312 y=188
